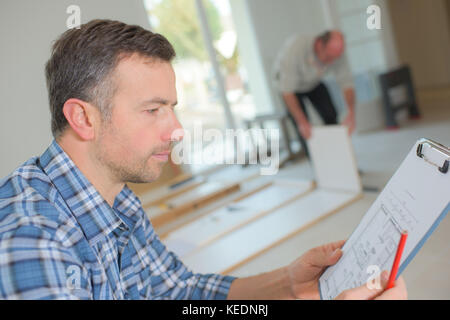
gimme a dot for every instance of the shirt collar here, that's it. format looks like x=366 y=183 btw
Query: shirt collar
x=95 y=216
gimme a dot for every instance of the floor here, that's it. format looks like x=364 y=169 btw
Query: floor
x=378 y=155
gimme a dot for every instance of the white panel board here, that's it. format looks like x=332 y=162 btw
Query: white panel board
x=333 y=158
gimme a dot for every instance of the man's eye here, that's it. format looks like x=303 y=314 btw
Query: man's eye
x=152 y=111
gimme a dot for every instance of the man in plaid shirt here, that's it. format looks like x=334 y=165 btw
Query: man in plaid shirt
x=70 y=228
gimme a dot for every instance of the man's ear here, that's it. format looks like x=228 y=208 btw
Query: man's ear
x=82 y=117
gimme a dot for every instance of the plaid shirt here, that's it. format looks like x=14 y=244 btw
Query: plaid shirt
x=59 y=239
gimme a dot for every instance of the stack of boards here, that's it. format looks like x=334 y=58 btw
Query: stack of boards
x=263 y=211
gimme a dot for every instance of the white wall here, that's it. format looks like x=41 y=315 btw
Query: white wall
x=27 y=29
x=370 y=52
x=262 y=26
x=249 y=52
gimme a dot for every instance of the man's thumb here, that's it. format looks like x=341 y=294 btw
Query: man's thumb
x=384 y=278
x=366 y=292
x=334 y=256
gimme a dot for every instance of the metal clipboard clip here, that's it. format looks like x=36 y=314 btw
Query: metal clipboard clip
x=439 y=148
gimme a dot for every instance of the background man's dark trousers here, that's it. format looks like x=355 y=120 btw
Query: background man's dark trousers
x=321 y=100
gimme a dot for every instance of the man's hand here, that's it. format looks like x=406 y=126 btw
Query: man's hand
x=304 y=272
x=349 y=121
x=398 y=292
x=300 y=280
x=304 y=127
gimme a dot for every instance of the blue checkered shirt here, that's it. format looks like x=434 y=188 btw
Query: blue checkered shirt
x=59 y=239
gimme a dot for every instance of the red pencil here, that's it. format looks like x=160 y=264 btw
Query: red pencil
x=398 y=257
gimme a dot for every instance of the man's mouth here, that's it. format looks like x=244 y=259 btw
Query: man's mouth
x=163 y=156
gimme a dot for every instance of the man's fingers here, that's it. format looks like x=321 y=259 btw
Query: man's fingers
x=305 y=129
x=398 y=292
x=306 y=133
x=337 y=245
x=336 y=249
x=335 y=256
x=366 y=292
x=360 y=293
x=328 y=254
x=330 y=248
x=350 y=129
x=363 y=292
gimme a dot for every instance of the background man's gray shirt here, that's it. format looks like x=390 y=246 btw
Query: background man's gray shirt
x=297 y=68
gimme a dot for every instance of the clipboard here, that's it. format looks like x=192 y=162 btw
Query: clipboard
x=415 y=199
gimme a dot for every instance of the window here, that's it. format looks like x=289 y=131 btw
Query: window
x=199 y=94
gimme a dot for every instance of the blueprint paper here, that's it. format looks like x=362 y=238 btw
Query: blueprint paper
x=416 y=199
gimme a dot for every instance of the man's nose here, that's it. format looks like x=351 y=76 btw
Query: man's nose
x=175 y=130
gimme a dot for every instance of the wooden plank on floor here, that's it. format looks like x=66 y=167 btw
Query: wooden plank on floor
x=187 y=181
x=173 y=201
x=246 y=189
x=188 y=201
x=236 y=248
x=169 y=191
x=229 y=218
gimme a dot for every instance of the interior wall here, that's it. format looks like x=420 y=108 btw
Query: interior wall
x=27 y=30
x=370 y=52
x=422 y=35
x=262 y=27
x=249 y=51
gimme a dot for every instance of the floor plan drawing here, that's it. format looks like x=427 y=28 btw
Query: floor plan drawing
x=366 y=251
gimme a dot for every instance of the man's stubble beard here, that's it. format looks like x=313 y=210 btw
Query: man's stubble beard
x=120 y=165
